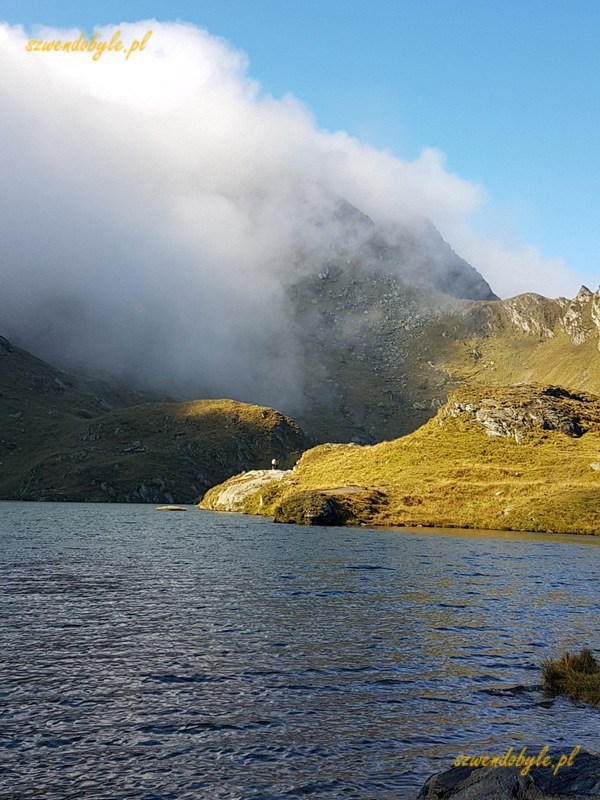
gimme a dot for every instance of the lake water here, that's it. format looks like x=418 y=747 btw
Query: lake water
x=195 y=655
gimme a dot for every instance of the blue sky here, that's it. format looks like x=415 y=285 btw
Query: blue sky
x=507 y=89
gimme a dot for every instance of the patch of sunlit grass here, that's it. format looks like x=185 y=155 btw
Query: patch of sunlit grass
x=574 y=675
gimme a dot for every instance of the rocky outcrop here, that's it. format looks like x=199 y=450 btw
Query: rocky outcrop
x=544 y=318
x=579 y=781
x=252 y=492
x=342 y=506
x=518 y=413
x=531 y=314
x=232 y=496
x=577 y=318
x=595 y=313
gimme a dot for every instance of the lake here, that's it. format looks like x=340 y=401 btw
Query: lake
x=196 y=655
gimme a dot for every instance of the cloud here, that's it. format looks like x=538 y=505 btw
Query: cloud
x=151 y=207
x=518 y=267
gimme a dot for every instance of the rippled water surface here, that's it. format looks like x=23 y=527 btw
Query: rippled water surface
x=194 y=655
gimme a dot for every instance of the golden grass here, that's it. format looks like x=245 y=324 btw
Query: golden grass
x=450 y=473
x=511 y=357
x=574 y=675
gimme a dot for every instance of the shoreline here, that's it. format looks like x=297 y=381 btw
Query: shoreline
x=444 y=530
x=448 y=529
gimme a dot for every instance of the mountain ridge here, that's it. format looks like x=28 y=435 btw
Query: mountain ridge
x=381 y=356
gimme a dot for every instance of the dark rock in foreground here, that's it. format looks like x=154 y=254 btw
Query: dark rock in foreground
x=576 y=782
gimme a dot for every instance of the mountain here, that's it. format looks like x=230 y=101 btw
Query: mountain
x=378 y=325
x=380 y=356
x=486 y=460
x=65 y=436
x=412 y=251
x=222 y=324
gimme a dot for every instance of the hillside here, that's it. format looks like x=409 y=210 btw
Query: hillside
x=528 y=338
x=162 y=453
x=520 y=458
x=68 y=437
x=380 y=356
x=39 y=404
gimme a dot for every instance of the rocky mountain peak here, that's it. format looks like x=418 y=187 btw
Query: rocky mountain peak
x=583 y=295
x=412 y=251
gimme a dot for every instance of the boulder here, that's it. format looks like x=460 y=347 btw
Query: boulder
x=346 y=505
x=577 y=782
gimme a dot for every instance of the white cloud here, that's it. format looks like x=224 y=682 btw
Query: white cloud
x=150 y=204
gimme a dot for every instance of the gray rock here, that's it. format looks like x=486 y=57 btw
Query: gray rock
x=544 y=412
x=581 y=781
x=6 y=345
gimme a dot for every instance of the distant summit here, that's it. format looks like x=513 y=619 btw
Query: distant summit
x=413 y=251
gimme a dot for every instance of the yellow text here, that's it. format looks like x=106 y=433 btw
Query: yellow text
x=521 y=761
x=97 y=47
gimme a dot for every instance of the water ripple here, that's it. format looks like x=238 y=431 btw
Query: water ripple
x=225 y=657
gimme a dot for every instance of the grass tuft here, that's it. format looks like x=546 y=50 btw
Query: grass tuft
x=575 y=675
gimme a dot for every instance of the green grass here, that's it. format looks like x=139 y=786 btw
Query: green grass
x=575 y=675
x=450 y=473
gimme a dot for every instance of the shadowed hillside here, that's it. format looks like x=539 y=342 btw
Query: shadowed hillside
x=67 y=437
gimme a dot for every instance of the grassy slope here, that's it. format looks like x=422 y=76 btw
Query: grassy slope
x=64 y=436
x=165 y=452
x=451 y=473
x=40 y=405
x=511 y=357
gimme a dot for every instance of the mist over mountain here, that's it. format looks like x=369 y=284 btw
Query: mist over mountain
x=213 y=338
x=159 y=213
